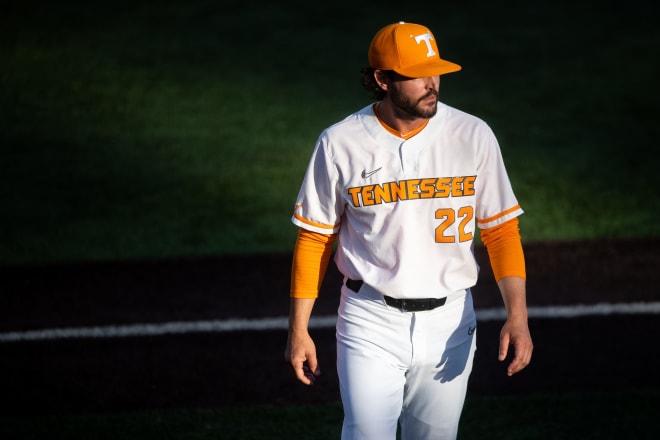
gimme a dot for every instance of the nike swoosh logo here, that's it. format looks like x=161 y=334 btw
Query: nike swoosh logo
x=471 y=330
x=366 y=174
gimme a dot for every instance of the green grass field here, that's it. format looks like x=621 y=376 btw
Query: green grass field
x=133 y=130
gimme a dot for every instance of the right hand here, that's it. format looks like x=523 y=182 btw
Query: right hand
x=301 y=354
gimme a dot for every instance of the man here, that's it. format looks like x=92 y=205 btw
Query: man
x=402 y=184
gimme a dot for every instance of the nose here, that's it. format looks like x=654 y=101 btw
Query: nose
x=432 y=82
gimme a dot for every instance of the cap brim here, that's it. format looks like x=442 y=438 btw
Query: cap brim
x=435 y=68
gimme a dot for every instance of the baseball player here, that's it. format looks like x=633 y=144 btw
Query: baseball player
x=401 y=186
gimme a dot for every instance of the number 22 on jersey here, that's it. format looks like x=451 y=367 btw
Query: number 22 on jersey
x=448 y=216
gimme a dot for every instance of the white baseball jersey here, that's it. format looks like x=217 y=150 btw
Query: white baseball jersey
x=406 y=210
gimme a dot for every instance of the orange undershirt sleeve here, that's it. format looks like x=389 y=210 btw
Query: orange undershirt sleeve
x=505 y=250
x=311 y=256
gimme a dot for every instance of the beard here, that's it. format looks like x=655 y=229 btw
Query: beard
x=413 y=108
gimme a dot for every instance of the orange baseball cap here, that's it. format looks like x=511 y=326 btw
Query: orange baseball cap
x=410 y=50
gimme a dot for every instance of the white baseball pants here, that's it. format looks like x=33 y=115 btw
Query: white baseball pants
x=396 y=367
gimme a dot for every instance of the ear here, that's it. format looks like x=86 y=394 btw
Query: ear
x=382 y=79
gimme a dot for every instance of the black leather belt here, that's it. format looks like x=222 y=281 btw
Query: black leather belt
x=405 y=305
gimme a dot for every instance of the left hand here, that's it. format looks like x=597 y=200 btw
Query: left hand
x=516 y=334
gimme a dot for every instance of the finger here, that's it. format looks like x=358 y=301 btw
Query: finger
x=504 y=346
x=522 y=358
x=515 y=366
x=302 y=373
x=313 y=364
x=312 y=368
x=310 y=375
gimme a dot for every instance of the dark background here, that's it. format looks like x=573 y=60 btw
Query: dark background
x=613 y=353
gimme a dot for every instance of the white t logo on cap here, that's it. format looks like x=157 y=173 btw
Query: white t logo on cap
x=427 y=39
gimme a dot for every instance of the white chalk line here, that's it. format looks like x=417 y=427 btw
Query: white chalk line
x=317 y=322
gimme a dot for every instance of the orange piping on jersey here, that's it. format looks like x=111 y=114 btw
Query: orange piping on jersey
x=501 y=214
x=395 y=132
x=315 y=224
x=505 y=249
x=310 y=261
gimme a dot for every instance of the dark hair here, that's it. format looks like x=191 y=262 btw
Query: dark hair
x=370 y=85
